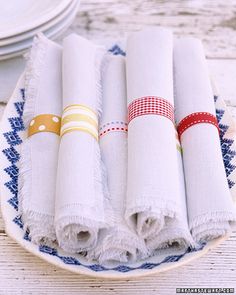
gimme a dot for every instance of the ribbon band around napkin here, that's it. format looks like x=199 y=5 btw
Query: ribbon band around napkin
x=150 y=105
x=196 y=118
x=79 y=118
x=45 y=123
x=113 y=126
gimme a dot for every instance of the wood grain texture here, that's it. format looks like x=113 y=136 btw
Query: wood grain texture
x=215 y=23
x=22 y=273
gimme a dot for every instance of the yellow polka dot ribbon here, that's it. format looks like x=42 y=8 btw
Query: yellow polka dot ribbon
x=45 y=123
x=79 y=118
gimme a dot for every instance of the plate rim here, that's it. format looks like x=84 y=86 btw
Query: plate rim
x=52 y=33
x=58 y=8
x=44 y=27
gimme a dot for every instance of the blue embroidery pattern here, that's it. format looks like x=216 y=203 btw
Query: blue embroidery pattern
x=227 y=153
x=11 y=154
x=116 y=50
x=16 y=124
x=17 y=220
x=19 y=107
x=12 y=171
x=13 y=139
x=219 y=114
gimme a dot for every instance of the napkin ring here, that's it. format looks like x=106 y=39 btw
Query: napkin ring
x=79 y=117
x=153 y=105
x=196 y=118
x=45 y=123
x=150 y=105
x=113 y=126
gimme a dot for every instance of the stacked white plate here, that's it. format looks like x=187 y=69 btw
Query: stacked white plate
x=21 y=20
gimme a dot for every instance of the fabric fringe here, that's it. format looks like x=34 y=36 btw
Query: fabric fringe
x=119 y=245
x=212 y=217
x=35 y=62
x=100 y=63
x=100 y=174
x=109 y=211
x=211 y=233
x=70 y=228
x=178 y=237
x=149 y=224
x=211 y=225
x=41 y=228
x=40 y=225
x=211 y=230
x=158 y=212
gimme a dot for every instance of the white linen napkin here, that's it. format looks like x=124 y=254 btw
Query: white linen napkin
x=176 y=231
x=38 y=163
x=80 y=212
x=210 y=206
x=154 y=192
x=119 y=242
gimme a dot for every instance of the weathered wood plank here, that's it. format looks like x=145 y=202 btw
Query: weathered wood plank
x=212 y=21
x=22 y=273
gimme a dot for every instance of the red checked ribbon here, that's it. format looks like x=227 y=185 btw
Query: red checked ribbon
x=150 y=105
x=196 y=118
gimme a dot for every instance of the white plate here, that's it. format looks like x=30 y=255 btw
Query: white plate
x=11 y=135
x=42 y=28
x=19 y=48
x=10 y=71
x=17 y=17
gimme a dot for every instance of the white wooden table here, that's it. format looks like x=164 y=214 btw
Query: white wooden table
x=214 y=21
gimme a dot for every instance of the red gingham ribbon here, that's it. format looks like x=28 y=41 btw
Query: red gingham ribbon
x=150 y=105
x=196 y=118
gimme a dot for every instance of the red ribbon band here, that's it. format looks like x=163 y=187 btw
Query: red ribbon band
x=150 y=105
x=196 y=118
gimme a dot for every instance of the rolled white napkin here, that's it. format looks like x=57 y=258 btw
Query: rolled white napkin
x=38 y=163
x=176 y=231
x=210 y=206
x=154 y=192
x=80 y=212
x=119 y=242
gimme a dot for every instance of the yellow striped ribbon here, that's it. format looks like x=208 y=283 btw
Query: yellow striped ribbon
x=79 y=117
